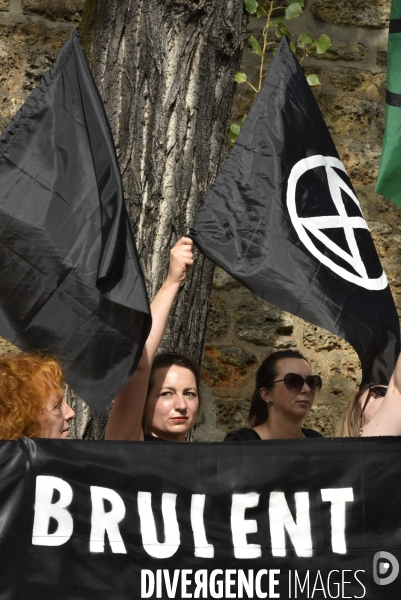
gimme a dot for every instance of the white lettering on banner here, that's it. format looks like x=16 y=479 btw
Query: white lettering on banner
x=148 y=526
x=202 y=548
x=106 y=522
x=338 y=498
x=46 y=510
x=241 y=527
x=281 y=519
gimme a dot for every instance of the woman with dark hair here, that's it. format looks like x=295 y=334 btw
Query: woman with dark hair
x=161 y=400
x=173 y=399
x=32 y=402
x=284 y=394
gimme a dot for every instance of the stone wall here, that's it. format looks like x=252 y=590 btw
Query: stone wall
x=242 y=329
x=31 y=35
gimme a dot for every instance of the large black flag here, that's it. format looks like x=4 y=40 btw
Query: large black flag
x=71 y=283
x=283 y=219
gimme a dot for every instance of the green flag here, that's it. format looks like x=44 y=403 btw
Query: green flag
x=389 y=179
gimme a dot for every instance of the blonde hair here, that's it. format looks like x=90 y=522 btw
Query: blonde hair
x=26 y=382
x=350 y=424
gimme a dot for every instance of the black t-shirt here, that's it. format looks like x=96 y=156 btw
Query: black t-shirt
x=152 y=438
x=248 y=435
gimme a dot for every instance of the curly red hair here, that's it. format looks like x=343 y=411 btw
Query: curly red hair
x=26 y=382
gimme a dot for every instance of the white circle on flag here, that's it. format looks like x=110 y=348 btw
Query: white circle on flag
x=314 y=225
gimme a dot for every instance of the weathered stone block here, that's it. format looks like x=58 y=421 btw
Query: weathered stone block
x=231 y=413
x=355 y=13
x=381 y=58
x=224 y=281
x=351 y=116
x=374 y=206
x=226 y=365
x=27 y=51
x=344 y=375
x=360 y=159
x=345 y=51
x=55 y=10
x=260 y=323
x=6 y=346
x=4 y=4
x=325 y=418
x=317 y=339
x=218 y=319
x=365 y=83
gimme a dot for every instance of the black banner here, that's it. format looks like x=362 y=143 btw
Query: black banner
x=123 y=520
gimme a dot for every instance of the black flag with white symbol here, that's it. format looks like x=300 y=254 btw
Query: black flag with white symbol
x=71 y=283
x=283 y=219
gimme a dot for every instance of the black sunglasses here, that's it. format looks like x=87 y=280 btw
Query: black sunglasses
x=295 y=382
x=377 y=390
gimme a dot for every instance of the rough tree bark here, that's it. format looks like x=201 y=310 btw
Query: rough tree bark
x=165 y=70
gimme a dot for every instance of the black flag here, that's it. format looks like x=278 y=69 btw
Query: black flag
x=283 y=219
x=71 y=283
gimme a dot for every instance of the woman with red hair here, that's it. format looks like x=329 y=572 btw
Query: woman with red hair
x=32 y=402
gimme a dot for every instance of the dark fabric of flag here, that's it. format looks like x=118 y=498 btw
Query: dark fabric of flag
x=129 y=520
x=389 y=178
x=283 y=219
x=71 y=283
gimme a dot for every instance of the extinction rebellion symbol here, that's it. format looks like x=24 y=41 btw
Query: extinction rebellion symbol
x=315 y=225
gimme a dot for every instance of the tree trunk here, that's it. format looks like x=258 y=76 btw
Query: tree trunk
x=165 y=70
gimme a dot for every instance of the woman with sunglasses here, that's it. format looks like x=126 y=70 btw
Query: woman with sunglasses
x=284 y=394
x=375 y=409
x=361 y=410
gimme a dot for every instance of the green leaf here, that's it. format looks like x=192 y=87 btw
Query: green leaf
x=234 y=131
x=260 y=12
x=313 y=80
x=251 y=6
x=233 y=138
x=293 y=10
x=256 y=46
x=282 y=29
x=240 y=77
x=243 y=120
x=293 y=49
x=304 y=40
x=323 y=44
x=301 y=2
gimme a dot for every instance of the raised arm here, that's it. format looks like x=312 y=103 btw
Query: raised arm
x=387 y=419
x=125 y=422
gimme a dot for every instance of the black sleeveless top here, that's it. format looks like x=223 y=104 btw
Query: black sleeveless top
x=248 y=435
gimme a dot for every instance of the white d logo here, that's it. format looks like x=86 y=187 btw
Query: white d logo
x=314 y=225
